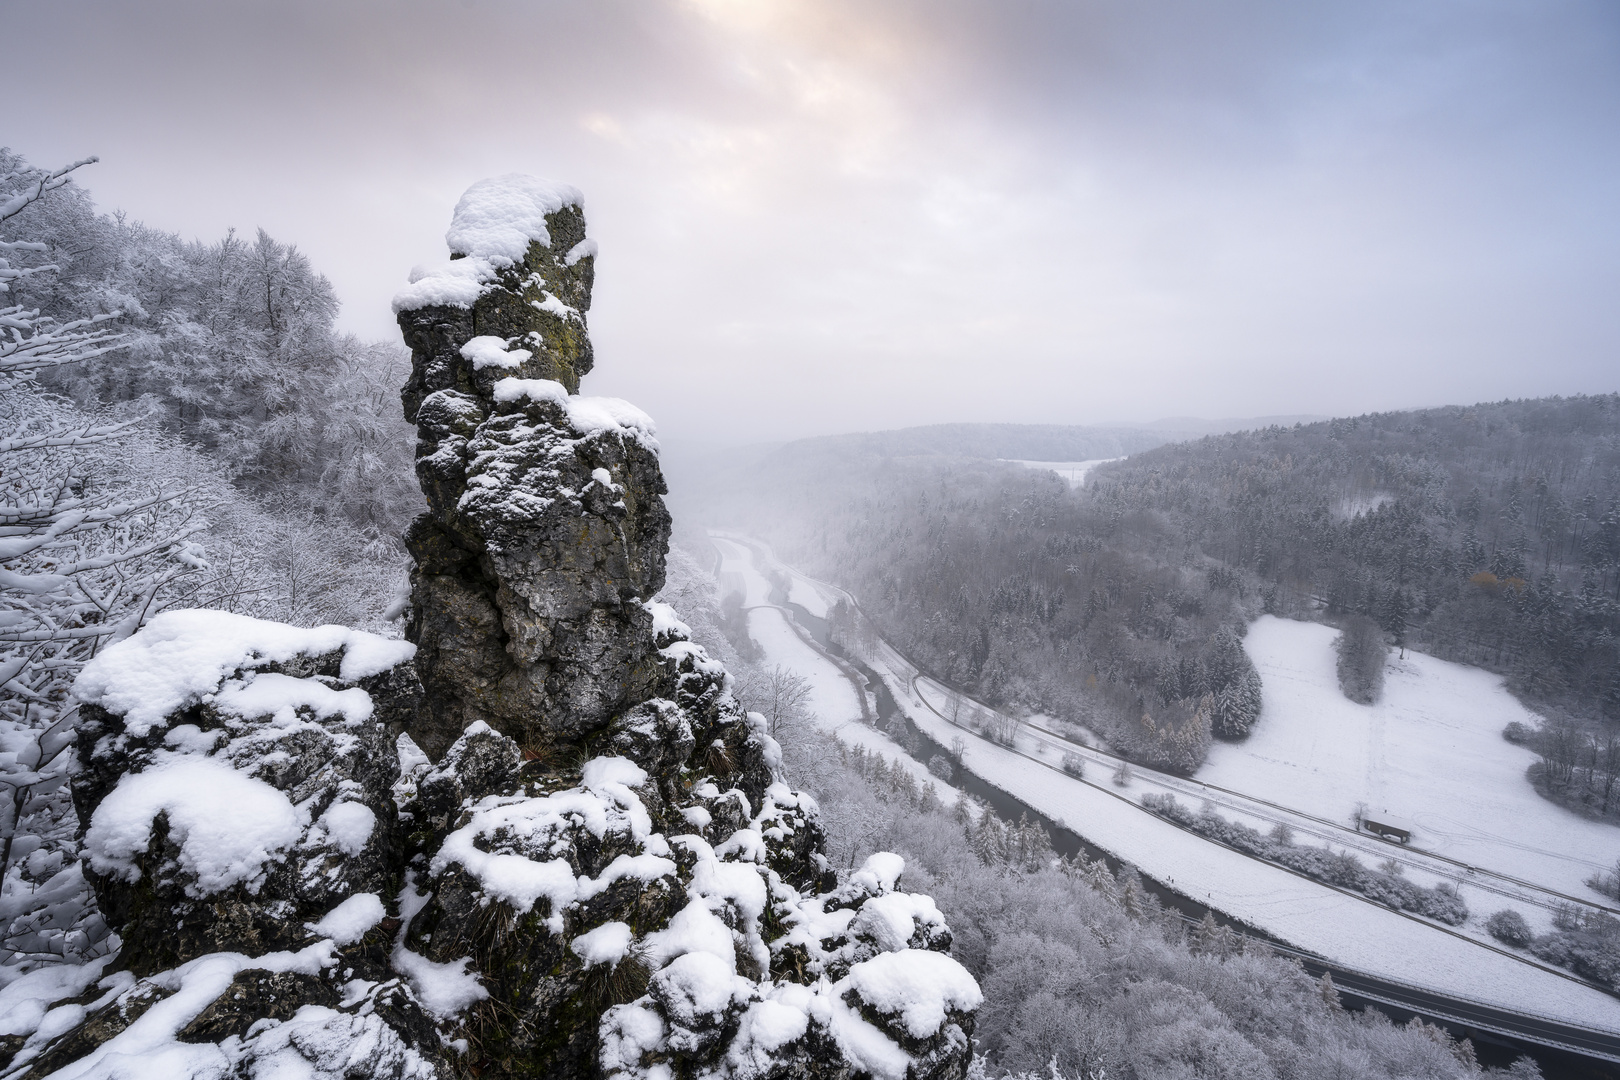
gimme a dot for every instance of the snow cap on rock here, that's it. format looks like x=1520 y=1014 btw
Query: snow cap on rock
x=227 y=824
x=498 y=217
x=491 y=229
x=182 y=655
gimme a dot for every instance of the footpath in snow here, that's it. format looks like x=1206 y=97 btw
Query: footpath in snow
x=1349 y=931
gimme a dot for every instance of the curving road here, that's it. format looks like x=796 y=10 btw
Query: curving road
x=1479 y=1019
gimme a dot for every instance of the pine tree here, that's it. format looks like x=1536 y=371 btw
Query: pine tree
x=1328 y=992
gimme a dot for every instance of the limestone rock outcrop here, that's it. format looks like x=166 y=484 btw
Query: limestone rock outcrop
x=593 y=870
x=545 y=526
x=235 y=785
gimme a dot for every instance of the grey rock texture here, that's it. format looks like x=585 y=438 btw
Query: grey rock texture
x=519 y=310
x=594 y=870
x=545 y=525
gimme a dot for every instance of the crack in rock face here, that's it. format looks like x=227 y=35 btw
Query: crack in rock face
x=582 y=862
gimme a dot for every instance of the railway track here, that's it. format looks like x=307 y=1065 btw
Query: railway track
x=1583 y=1051
x=1483 y=879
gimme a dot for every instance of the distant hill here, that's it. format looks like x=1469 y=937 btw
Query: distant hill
x=695 y=469
x=1038 y=442
x=1194 y=427
x=1487 y=534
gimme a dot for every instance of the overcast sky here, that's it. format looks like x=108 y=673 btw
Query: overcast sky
x=833 y=216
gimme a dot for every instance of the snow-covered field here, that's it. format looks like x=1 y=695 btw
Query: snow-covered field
x=1072 y=471
x=1351 y=931
x=1429 y=750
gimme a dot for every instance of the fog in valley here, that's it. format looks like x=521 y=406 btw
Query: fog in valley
x=744 y=540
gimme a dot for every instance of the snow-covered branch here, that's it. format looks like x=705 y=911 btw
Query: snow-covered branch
x=84 y=560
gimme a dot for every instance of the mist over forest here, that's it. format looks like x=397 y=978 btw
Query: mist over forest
x=980 y=542
x=1488 y=535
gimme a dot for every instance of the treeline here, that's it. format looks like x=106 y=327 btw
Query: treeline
x=1085 y=975
x=1000 y=581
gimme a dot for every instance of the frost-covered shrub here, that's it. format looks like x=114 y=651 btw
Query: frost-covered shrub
x=1606 y=882
x=1339 y=868
x=1518 y=734
x=1074 y=764
x=1585 y=941
x=1509 y=927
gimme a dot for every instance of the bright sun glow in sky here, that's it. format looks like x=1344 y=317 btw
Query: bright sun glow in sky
x=833 y=215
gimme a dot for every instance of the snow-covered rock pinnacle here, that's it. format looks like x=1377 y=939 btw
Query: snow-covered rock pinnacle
x=545 y=526
x=595 y=869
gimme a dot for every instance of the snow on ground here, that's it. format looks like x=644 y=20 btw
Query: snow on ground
x=833 y=702
x=1429 y=750
x=1072 y=471
x=832 y=696
x=807 y=596
x=739 y=575
x=739 y=572
x=1353 y=932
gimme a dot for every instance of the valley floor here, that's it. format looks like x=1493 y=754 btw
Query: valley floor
x=1429 y=750
x=1438 y=723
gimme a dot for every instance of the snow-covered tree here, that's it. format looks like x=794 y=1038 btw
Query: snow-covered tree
x=86 y=556
x=233 y=345
x=30 y=340
x=1237 y=699
x=1362 y=653
x=777 y=693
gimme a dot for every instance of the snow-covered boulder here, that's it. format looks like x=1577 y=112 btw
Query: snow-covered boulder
x=234 y=786
x=234 y=780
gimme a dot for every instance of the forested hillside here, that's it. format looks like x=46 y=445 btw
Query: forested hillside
x=224 y=357
x=181 y=425
x=1488 y=535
